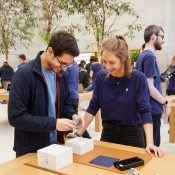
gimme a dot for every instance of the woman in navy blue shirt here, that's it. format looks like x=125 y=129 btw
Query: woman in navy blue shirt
x=122 y=94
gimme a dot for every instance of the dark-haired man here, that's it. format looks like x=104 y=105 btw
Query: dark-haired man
x=22 y=60
x=39 y=98
x=95 y=68
x=147 y=63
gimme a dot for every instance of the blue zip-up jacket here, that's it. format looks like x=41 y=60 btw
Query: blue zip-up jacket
x=28 y=107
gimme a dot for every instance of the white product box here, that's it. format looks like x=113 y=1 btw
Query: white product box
x=54 y=156
x=80 y=145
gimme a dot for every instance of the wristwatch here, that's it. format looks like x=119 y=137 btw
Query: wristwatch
x=166 y=102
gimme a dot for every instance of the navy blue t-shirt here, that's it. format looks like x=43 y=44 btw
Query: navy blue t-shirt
x=124 y=100
x=146 y=63
x=72 y=73
x=96 y=67
x=171 y=82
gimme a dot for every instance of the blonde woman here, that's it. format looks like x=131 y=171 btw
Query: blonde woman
x=122 y=94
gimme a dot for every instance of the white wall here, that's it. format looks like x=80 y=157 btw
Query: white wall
x=170 y=24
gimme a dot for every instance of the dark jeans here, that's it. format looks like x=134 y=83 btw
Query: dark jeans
x=126 y=135
x=19 y=155
x=156 y=128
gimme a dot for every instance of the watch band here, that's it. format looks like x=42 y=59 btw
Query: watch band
x=166 y=102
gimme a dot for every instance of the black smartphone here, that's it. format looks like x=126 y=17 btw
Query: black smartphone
x=129 y=163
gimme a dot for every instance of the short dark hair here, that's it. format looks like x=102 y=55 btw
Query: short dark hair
x=93 y=59
x=151 y=29
x=81 y=65
x=22 y=56
x=143 y=46
x=63 y=42
x=83 y=62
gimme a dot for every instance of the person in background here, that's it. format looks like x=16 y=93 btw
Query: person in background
x=22 y=60
x=72 y=78
x=39 y=97
x=83 y=77
x=95 y=68
x=126 y=88
x=88 y=68
x=147 y=63
x=171 y=78
x=83 y=63
x=6 y=74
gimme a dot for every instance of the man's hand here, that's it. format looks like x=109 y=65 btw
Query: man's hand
x=167 y=107
x=167 y=110
x=71 y=135
x=64 y=124
x=79 y=121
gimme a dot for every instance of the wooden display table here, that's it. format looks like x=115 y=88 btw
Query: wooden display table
x=172 y=125
x=4 y=95
x=22 y=165
x=172 y=121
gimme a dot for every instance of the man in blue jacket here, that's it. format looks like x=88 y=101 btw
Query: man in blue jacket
x=39 y=107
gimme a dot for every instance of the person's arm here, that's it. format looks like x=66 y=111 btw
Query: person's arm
x=148 y=129
x=158 y=96
x=150 y=147
x=92 y=109
x=154 y=92
x=144 y=109
x=64 y=124
x=91 y=74
x=21 y=100
x=87 y=119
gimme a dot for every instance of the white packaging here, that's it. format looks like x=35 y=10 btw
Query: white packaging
x=80 y=145
x=54 y=156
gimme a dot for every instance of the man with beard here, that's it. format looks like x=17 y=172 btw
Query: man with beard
x=39 y=97
x=147 y=63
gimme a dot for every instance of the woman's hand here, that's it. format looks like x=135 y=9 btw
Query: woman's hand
x=79 y=121
x=156 y=150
